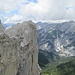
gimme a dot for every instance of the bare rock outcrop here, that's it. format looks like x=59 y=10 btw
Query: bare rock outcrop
x=1 y=27
x=18 y=50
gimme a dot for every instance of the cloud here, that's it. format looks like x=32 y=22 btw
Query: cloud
x=8 y=5
x=49 y=10
x=40 y=10
x=35 y=11
x=14 y=19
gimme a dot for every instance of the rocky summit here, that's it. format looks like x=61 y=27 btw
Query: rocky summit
x=18 y=50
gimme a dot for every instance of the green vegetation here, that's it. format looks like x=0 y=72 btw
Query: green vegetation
x=42 y=60
x=65 y=66
x=45 y=57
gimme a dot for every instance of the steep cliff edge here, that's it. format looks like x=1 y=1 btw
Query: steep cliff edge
x=18 y=50
x=1 y=27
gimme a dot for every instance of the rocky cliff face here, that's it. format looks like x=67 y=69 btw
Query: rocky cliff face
x=1 y=27
x=18 y=50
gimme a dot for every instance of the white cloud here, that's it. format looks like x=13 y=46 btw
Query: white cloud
x=49 y=10
x=14 y=19
x=8 y=5
x=43 y=10
x=35 y=11
x=70 y=14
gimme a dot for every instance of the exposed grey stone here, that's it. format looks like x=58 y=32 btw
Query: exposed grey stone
x=1 y=27
x=0 y=21
x=18 y=50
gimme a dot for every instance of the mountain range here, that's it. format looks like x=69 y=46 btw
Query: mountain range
x=56 y=40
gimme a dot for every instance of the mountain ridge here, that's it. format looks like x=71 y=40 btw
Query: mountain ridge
x=57 y=39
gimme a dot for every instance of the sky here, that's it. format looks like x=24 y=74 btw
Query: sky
x=12 y=11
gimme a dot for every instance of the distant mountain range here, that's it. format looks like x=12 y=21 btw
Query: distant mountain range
x=56 y=40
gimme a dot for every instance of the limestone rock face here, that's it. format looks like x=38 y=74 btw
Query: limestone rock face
x=18 y=50
x=1 y=27
x=0 y=21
